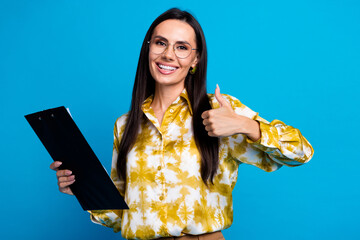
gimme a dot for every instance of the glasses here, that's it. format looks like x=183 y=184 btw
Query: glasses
x=181 y=49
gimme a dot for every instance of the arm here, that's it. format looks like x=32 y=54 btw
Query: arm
x=252 y=139
x=282 y=144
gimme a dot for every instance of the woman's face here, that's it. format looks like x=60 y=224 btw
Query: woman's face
x=166 y=68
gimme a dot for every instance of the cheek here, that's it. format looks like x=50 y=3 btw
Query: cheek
x=152 y=58
x=151 y=66
x=186 y=63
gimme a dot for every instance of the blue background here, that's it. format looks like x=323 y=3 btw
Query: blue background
x=297 y=61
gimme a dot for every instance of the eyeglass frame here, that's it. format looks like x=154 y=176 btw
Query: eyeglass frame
x=167 y=48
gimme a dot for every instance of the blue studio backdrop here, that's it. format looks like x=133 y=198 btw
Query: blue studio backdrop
x=297 y=61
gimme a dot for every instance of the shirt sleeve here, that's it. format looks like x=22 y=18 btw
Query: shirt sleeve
x=279 y=144
x=112 y=218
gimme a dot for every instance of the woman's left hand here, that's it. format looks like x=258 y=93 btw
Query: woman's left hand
x=223 y=121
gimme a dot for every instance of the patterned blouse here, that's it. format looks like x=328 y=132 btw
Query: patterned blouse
x=164 y=189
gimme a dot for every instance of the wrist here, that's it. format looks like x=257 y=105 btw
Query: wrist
x=254 y=132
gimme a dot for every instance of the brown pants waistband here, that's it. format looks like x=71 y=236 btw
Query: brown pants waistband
x=207 y=236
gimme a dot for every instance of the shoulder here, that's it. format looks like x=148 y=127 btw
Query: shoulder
x=122 y=119
x=120 y=124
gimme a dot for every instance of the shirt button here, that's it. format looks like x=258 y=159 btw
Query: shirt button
x=161 y=197
x=171 y=110
x=159 y=168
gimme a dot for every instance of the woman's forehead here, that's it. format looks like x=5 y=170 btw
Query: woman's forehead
x=175 y=30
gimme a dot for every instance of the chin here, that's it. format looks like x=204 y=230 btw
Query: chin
x=168 y=82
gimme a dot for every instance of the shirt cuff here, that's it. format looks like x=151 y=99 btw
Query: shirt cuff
x=269 y=137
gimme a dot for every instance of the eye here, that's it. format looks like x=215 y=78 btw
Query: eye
x=182 y=47
x=160 y=43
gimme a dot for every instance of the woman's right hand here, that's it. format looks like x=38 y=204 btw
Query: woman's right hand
x=65 y=179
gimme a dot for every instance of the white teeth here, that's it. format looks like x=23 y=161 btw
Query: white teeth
x=166 y=67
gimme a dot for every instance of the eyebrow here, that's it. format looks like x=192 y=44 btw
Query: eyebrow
x=162 y=38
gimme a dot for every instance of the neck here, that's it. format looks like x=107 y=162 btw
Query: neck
x=164 y=96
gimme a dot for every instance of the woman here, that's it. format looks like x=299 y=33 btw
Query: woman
x=176 y=153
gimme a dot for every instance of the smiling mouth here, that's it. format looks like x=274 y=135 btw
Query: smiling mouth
x=166 y=68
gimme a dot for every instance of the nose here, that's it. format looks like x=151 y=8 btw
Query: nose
x=169 y=52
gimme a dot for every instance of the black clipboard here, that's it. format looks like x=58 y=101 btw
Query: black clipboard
x=63 y=140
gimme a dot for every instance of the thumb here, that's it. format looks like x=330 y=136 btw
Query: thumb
x=219 y=97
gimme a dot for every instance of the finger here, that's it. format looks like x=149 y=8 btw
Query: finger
x=205 y=114
x=206 y=122
x=211 y=134
x=66 y=179
x=55 y=165
x=66 y=190
x=209 y=128
x=62 y=173
x=220 y=98
x=65 y=184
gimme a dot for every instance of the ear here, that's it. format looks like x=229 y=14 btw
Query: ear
x=196 y=60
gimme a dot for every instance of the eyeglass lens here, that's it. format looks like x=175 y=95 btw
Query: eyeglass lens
x=158 y=46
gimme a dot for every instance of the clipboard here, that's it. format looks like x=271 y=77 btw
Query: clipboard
x=64 y=141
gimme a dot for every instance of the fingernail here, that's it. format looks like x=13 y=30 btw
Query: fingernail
x=217 y=85
x=68 y=172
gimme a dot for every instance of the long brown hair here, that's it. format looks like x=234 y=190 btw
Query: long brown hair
x=195 y=85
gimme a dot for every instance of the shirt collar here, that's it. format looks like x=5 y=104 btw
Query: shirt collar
x=183 y=96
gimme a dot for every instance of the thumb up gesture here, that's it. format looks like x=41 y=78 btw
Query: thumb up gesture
x=223 y=121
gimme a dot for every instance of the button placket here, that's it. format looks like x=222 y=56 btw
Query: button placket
x=169 y=116
x=161 y=167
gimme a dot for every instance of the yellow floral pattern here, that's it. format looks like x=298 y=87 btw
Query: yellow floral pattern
x=164 y=188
